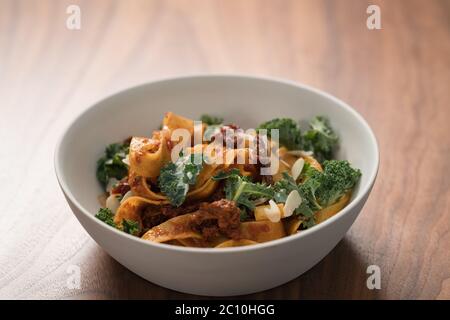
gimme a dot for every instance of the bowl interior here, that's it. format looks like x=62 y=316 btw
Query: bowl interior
x=242 y=100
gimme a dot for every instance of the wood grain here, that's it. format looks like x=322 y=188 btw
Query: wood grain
x=397 y=78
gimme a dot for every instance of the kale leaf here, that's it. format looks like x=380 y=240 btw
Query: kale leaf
x=242 y=190
x=289 y=132
x=318 y=189
x=337 y=178
x=106 y=215
x=175 y=178
x=111 y=165
x=284 y=187
x=211 y=120
x=130 y=226
x=320 y=138
x=307 y=192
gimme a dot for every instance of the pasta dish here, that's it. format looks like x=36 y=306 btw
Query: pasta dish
x=208 y=183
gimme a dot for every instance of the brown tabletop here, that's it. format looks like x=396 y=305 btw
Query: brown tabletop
x=396 y=77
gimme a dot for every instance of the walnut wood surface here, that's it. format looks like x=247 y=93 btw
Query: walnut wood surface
x=397 y=78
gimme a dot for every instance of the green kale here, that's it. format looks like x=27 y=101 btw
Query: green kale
x=320 y=138
x=284 y=187
x=175 y=178
x=307 y=192
x=130 y=226
x=211 y=120
x=111 y=165
x=105 y=215
x=289 y=133
x=319 y=189
x=244 y=215
x=305 y=171
x=242 y=190
x=337 y=178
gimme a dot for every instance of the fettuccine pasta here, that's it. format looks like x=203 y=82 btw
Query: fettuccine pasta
x=227 y=188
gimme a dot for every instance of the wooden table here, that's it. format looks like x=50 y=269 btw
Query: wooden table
x=396 y=77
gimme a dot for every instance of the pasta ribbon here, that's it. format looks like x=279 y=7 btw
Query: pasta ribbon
x=131 y=209
x=140 y=187
x=172 y=121
x=236 y=243
x=179 y=228
x=292 y=224
x=330 y=211
x=202 y=243
x=313 y=163
x=287 y=160
x=204 y=185
x=262 y=231
x=148 y=156
x=173 y=229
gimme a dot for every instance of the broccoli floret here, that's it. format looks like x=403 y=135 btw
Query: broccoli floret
x=289 y=133
x=320 y=139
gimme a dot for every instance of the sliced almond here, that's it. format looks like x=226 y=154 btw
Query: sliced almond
x=126 y=160
x=292 y=202
x=300 y=153
x=112 y=203
x=273 y=212
x=126 y=196
x=260 y=211
x=297 y=168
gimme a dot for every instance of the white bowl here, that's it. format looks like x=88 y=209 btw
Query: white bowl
x=246 y=101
